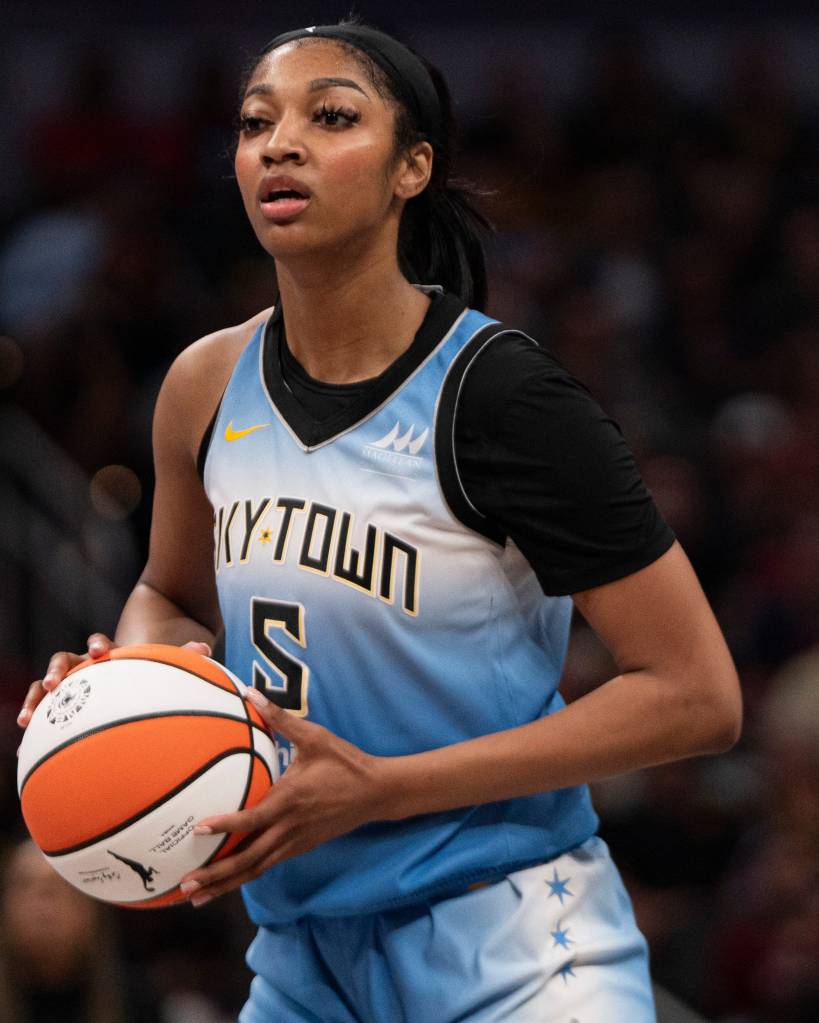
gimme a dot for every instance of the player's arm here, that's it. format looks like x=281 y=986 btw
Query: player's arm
x=566 y=488
x=174 y=600
x=676 y=695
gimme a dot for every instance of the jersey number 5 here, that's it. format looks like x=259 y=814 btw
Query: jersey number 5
x=282 y=678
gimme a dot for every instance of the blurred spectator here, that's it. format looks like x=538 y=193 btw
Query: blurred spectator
x=68 y=958
x=764 y=958
x=60 y=958
x=45 y=265
x=627 y=111
x=77 y=145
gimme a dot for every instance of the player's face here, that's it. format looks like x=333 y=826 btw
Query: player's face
x=315 y=157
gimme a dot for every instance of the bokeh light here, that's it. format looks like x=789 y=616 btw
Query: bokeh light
x=115 y=492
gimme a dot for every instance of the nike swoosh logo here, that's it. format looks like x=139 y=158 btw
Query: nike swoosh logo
x=231 y=434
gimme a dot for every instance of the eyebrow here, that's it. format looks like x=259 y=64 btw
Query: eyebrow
x=317 y=84
x=326 y=83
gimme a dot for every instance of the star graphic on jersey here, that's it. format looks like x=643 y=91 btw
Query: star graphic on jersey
x=558 y=886
x=266 y=536
x=561 y=937
x=567 y=971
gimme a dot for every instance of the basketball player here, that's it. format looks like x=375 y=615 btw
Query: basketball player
x=389 y=502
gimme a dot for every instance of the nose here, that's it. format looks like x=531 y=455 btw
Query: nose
x=284 y=145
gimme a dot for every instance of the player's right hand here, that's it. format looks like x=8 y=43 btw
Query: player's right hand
x=61 y=663
x=58 y=667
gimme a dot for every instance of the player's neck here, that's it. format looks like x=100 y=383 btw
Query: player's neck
x=351 y=323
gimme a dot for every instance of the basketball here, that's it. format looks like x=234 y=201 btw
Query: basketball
x=125 y=756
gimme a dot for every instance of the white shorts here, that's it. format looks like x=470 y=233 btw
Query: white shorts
x=554 y=943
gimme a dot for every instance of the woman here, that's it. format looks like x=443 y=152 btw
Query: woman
x=397 y=496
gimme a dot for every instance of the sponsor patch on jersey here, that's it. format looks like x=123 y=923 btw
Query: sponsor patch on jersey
x=398 y=452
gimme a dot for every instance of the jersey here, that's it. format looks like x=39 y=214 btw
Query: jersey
x=537 y=455
x=361 y=589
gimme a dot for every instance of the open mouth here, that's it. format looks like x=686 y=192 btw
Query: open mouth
x=282 y=195
x=283 y=204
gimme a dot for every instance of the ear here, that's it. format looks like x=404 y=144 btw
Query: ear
x=414 y=171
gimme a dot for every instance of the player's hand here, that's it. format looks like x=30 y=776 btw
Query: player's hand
x=58 y=667
x=61 y=663
x=330 y=788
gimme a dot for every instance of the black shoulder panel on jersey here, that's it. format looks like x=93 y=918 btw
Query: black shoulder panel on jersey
x=448 y=477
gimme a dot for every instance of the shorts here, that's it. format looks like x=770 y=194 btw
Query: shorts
x=554 y=943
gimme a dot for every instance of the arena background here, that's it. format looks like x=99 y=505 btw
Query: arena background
x=656 y=198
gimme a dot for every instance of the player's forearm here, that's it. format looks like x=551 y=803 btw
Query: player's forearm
x=636 y=720
x=151 y=617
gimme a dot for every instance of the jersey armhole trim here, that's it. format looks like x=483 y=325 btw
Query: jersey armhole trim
x=207 y=436
x=449 y=478
x=204 y=444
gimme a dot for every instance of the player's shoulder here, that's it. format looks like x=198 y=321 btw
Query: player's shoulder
x=197 y=378
x=216 y=353
x=517 y=350
x=515 y=368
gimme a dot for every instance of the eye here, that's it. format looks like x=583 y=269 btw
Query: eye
x=336 y=117
x=249 y=125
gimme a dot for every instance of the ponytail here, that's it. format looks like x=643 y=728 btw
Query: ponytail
x=440 y=241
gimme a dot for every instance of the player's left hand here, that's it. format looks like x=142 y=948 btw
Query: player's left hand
x=330 y=788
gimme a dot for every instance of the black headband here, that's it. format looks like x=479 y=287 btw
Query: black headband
x=409 y=77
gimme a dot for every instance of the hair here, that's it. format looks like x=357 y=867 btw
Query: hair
x=440 y=237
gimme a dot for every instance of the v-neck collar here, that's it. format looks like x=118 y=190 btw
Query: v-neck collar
x=443 y=311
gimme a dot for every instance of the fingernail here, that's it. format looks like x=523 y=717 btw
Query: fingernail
x=95 y=648
x=202 y=829
x=189 y=886
x=200 y=900
x=256 y=698
x=23 y=716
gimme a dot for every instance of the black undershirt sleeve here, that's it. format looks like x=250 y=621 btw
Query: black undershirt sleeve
x=541 y=460
x=538 y=456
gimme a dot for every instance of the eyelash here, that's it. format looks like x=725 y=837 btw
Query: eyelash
x=349 y=115
x=249 y=125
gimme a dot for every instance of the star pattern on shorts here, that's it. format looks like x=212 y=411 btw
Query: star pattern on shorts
x=567 y=971
x=558 y=886
x=266 y=536
x=561 y=937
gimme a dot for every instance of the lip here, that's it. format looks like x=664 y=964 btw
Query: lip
x=282 y=209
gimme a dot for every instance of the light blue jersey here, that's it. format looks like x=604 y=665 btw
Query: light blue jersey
x=360 y=588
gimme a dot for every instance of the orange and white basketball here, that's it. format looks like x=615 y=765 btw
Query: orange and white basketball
x=122 y=760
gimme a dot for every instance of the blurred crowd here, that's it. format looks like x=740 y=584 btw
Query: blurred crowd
x=667 y=250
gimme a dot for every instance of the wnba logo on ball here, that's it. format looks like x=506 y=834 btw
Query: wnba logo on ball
x=68 y=701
